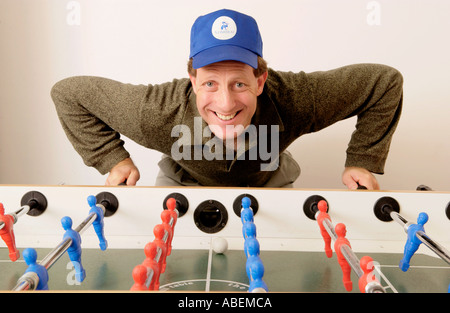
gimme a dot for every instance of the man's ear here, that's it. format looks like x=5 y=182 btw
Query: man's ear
x=194 y=83
x=261 y=80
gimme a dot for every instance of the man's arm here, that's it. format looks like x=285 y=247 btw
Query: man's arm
x=372 y=92
x=92 y=112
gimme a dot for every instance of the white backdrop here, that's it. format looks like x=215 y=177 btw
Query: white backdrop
x=145 y=41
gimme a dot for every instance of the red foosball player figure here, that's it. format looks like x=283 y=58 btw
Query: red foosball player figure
x=346 y=269
x=321 y=215
x=7 y=234
x=159 y=231
x=165 y=217
x=368 y=277
x=139 y=277
x=150 y=250
x=171 y=204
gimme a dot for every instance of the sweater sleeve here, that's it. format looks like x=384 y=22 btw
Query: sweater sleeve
x=93 y=111
x=372 y=92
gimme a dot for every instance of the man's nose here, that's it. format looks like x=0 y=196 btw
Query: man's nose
x=226 y=100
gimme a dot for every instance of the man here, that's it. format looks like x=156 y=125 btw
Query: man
x=231 y=122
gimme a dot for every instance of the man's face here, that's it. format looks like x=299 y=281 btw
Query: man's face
x=226 y=96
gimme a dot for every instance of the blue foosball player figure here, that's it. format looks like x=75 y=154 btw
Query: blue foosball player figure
x=249 y=230
x=256 y=269
x=247 y=215
x=251 y=244
x=246 y=202
x=252 y=251
x=74 y=249
x=30 y=257
x=413 y=243
x=246 y=212
x=98 y=222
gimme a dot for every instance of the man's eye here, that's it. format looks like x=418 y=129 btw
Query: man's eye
x=209 y=84
x=240 y=85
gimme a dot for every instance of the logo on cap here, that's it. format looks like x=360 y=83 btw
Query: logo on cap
x=224 y=28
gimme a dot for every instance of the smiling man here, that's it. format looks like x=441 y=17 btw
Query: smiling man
x=227 y=94
x=231 y=122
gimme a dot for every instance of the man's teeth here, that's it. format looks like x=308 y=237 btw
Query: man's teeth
x=226 y=117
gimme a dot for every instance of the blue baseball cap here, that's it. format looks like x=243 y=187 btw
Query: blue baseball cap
x=225 y=35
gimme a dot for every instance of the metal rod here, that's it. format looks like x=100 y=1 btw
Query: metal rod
x=443 y=253
x=330 y=229
x=23 y=210
x=86 y=223
x=351 y=258
x=27 y=281
x=56 y=253
x=399 y=219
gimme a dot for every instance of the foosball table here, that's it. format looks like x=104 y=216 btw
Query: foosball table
x=223 y=239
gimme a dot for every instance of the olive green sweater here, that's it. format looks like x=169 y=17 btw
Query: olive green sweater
x=94 y=112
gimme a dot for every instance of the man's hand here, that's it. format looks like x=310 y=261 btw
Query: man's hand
x=124 y=171
x=353 y=176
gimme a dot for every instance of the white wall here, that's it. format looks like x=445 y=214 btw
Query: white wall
x=145 y=41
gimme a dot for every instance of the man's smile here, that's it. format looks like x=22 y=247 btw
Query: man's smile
x=226 y=117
